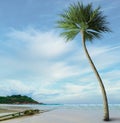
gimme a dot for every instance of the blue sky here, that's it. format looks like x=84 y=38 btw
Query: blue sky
x=36 y=61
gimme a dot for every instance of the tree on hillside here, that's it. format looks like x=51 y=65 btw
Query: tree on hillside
x=89 y=23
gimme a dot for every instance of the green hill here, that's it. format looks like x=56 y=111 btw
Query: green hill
x=17 y=99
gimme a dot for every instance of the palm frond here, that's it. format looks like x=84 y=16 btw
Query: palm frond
x=82 y=17
x=90 y=35
x=69 y=35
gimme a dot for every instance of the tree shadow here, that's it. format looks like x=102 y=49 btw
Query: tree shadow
x=114 y=119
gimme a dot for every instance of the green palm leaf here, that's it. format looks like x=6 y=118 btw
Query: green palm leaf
x=79 y=18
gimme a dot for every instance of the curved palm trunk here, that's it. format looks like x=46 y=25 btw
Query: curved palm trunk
x=105 y=102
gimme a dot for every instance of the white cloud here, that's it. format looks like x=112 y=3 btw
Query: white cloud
x=62 y=70
x=15 y=87
x=41 y=44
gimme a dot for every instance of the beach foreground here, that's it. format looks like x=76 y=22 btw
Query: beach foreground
x=68 y=116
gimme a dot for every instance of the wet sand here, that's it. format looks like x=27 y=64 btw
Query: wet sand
x=4 y=108
x=68 y=116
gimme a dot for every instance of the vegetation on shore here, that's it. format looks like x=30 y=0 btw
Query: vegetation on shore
x=17 y=99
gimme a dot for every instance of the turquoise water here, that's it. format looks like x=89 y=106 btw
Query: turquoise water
x=69 y=106
x=76 y=106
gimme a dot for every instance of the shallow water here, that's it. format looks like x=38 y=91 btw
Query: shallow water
x=60 y=106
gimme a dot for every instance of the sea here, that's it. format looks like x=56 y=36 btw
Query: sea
x=64 y=106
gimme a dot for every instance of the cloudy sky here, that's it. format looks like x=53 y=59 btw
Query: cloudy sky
x=36 y=61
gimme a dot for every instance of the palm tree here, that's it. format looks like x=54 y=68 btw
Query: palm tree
x=90 y=23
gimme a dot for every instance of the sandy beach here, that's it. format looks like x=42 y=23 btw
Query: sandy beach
x=4 y=108
x=68 y=116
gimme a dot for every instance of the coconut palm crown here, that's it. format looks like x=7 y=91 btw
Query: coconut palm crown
x=82 y=18
x=90 y=23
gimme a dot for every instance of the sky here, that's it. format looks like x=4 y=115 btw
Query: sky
x=37 y=62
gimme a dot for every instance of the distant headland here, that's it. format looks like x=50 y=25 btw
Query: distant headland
x=17 y=99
